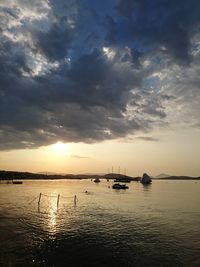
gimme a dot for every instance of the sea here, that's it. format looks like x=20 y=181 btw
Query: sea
x=82 y=223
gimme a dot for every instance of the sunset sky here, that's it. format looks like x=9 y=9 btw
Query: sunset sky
x=89 y=85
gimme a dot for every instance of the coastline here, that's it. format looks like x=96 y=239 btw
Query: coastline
x=9 y=175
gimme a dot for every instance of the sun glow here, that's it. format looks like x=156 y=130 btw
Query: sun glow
x=60 y=148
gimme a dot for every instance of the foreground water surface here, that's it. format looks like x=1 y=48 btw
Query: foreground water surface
x=156 y=225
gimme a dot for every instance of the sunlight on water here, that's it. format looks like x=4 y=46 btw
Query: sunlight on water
x=52 y=216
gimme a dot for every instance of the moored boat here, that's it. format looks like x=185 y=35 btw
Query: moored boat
x=146 y=179
x=123 y=180
x=17 y=182
x=97 y=180
x=120 y=186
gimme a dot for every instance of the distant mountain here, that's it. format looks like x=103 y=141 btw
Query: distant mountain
x=47 y=173
x=90 y=173
x=163 y=175
x=177 y=178
x=53 y=173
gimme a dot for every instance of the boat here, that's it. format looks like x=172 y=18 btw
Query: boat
x=123 y=180
x=17 y=182
x=146 y=179
x=97 y=180
x=120 y=186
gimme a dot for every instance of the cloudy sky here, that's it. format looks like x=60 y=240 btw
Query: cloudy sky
x=111 y=82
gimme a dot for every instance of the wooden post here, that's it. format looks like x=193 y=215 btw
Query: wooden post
x=75 y=199
x=58 y=200
x=39 y=199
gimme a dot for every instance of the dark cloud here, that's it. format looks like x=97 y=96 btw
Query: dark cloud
x=13 y=59
x=161 y=23
x=54 y=43
x=111 y=26
x=82 y=71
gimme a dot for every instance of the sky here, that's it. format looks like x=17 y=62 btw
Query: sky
x=93 y=86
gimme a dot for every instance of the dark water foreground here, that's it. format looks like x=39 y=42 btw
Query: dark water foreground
x=158 y=225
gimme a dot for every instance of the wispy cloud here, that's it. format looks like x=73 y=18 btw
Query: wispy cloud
x=148 y=138
x=79 y=157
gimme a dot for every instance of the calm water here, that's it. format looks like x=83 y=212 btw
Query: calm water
x=156 y=225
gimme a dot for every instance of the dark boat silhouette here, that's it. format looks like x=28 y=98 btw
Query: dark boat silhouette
x=123 y=180
x=120 y=186
x=146 y=179
x=17 y=182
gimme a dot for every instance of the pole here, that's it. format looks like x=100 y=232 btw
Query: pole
x=75 y=199
x=39 y=199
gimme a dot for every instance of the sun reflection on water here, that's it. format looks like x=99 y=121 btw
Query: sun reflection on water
x=52 y=213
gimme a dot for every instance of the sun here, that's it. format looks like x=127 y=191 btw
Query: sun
x=60 y=147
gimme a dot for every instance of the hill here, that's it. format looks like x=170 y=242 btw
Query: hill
x=178 y=178
x=162 y=175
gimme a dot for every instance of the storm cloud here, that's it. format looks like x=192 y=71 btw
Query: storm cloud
x=88 y=71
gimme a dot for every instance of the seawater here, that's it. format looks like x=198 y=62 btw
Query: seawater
x=155 y=225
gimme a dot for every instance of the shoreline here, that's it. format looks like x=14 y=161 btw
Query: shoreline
x=14 y=175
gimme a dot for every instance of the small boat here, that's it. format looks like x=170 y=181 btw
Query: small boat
x=146 y=179
x=97 y=180
x=123 y=180
x=17 y=182
x=120 y=186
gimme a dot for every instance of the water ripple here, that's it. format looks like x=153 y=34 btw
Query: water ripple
x=104 y=228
